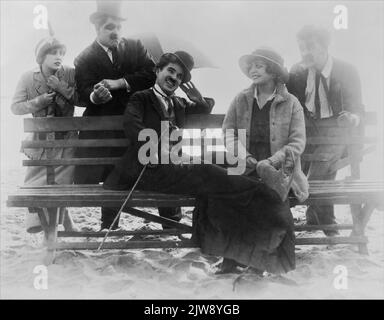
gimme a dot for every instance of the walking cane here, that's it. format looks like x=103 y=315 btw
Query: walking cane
x=128 y=197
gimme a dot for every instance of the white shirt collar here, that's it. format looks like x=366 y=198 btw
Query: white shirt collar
x=310 y=90
x=106 y=49
x=162 y=93
x=273 y=95
x=37 y=69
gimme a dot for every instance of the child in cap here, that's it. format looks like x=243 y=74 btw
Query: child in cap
x=47 y=91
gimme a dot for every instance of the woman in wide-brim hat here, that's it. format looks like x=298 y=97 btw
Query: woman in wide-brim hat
x=275 y=139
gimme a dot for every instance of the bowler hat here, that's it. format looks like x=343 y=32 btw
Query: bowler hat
x=185 y=60
x=106 y=9
x=44 y=46
x=267 y=54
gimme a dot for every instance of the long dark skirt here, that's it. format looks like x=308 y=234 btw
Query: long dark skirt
x=236 y=217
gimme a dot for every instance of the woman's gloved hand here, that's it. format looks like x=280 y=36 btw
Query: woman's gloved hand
x=44 y=100
x=53 y=82
x=263 y=164
x=348 y=119
x=274 y=179
x=251 y=162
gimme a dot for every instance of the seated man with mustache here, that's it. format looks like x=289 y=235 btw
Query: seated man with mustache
x=235 y=216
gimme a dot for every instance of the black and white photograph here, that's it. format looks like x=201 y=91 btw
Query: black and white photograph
x=192 y=150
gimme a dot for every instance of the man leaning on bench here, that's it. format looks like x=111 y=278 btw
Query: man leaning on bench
x=243 y=217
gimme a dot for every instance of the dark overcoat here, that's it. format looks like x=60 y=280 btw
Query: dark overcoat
x=145 y=111
x=92 y=65
x=344 y=92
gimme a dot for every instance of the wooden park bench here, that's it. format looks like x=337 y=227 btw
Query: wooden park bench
x=363 y=196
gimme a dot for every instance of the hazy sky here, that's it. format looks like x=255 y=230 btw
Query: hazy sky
x=223 y=30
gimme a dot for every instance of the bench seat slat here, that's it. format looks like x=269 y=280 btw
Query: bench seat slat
x=306 y=227
x=73 y=161
x=313 y=183
x=330 y=240
x=336 y=192
x=77 y=191
x=90 y=202
x=70 y=191
x=101 y=202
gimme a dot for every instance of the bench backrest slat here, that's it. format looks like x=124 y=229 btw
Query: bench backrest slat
x=354 y=140
x=73 y=124
x=72 y=161
x=75 y=143
x=89 y=143
x=196 y=121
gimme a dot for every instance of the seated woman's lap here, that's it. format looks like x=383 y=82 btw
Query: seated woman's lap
x=204 y=180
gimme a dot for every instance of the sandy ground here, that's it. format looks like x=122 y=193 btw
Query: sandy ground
x=178 y=273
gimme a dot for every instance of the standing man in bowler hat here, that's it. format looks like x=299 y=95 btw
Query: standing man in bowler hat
x=108 y=72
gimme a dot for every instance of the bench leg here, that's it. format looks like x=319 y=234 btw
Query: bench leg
x=43 y=220
x=360 y=217
x=51 y=235
x=367 y=211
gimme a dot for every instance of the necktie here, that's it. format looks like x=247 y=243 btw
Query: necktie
x=114 y=56
x=317 y=97
x=168 y=100
x=325 y=85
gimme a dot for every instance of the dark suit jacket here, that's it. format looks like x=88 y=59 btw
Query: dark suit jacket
x=344 y=87
x=144 y=111
x=93 y=65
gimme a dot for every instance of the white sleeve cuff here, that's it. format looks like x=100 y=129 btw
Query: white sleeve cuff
x=92 y=97
x=127 y=86
x=356 y=119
